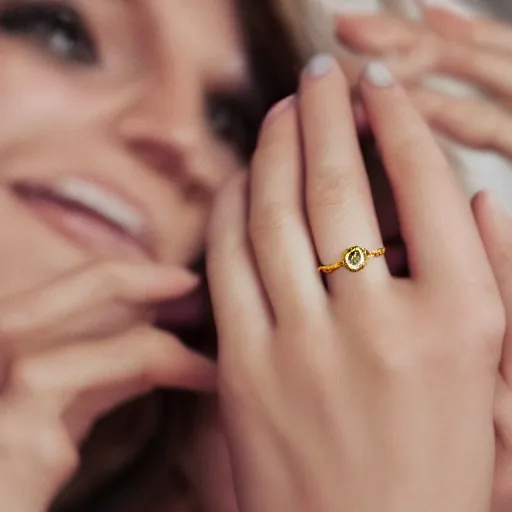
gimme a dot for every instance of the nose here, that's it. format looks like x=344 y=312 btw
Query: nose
x=161 y=125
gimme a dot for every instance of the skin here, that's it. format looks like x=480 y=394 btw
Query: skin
x=130 y=295
x=139 y=113
x=477 y=50
x=464 y=42
x=136 y=122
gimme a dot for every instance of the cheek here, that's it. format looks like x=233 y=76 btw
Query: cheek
x=33 y=100
x=35 y=95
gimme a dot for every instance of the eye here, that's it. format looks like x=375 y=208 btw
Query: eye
x=54 y=27
x=233 y=122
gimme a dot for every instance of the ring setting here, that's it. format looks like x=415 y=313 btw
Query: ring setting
x=354 y=259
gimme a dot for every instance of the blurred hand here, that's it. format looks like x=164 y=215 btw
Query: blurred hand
x=475 y=49
x=59 y=375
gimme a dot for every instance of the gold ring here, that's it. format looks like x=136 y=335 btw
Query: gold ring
x=353 y=259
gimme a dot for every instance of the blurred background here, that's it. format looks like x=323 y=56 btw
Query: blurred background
x=502 y=6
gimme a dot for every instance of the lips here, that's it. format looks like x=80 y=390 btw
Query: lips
x=91 y=215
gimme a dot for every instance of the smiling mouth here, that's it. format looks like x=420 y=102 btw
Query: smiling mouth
x=89 y=215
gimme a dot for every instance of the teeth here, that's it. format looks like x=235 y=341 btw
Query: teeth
x=103 y=202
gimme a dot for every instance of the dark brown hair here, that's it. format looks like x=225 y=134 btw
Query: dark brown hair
x=125 y=445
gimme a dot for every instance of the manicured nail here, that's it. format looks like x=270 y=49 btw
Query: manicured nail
x=378 y=74
x=278 y=109
x=451 y=6
x=320 y=65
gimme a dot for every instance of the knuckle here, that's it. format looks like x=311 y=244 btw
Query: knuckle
x=488 y=333
x=392 y=359
x=330 y=185
x=56 y=451
x=271 y=216
x=13 y=324
x=28 y=431
x=23 y=377
x=485 y=329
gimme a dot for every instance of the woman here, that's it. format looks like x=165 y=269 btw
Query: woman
x=119 y=123
x=371 y=451
x=321 y=80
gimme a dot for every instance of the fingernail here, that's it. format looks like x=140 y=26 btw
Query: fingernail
x=378 y=74
x=449 y=5
x=320 y=65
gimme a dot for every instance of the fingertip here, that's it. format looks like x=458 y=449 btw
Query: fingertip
x=279 y=108
x=323 y=79
x=280 y=121
x=481 y=201
x=184 y=281
x=172 y=274
x=193 y=372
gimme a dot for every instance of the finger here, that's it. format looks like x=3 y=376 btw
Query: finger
x=279 y=232
x=378 y=34
x=413 y=51
x=485 y=68
x=435 y=218
x=49 y=312
x=465 y=26
x=451 y=114
x=410 y=48
x=239 y=304
x=338 y=195
x=495 y=226
x=84 y=381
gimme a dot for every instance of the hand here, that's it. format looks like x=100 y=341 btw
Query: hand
x=59 y=374
x=476 y=50
x=495 y=226
x=377 y=393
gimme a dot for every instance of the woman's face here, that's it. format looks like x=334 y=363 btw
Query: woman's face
x=119 y=120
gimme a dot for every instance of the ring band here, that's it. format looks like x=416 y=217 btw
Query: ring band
x=353 y=259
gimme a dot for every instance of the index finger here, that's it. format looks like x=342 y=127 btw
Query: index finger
x=53 y=312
